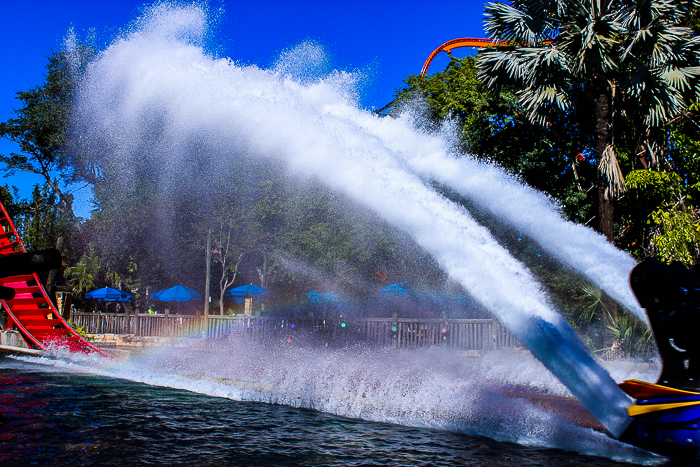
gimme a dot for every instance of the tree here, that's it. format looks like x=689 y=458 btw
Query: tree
x=662 y=209
x=42 y=221
x=9 y=196
x=39 y=128
x=83 y=276
x=224 y=254
x=598 y=54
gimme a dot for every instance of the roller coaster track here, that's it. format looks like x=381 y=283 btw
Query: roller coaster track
x=461 y=42
x=31 y=311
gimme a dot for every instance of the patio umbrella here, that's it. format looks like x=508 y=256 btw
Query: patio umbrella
x=318 y=298
x=107 y=294
x=248 y=291
x=177 y=293
x=397 y=289
x=243 y=292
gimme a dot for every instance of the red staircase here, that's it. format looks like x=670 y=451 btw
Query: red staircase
x=31 y=312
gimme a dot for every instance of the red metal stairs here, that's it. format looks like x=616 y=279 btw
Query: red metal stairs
x=31 y=312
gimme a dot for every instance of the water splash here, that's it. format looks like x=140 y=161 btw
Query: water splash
x=429 y=388
x=529 y=211
x=152 y=93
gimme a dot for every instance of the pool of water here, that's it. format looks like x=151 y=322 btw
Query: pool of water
x=54 y=413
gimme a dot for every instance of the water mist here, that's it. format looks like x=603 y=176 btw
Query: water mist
x=153 y=92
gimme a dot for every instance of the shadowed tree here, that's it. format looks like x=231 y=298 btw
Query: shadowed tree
x=39 y=129
x=601 y=54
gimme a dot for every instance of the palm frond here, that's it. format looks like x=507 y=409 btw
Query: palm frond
x=612 y=173
x=639 y=45
x=592 y=297
x=665 y=104
x=497 y=67
x=542 y=96
x=591 y=34
x=681 y=78
x=522 y=24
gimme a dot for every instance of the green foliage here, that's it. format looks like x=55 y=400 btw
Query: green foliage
x=592 y=303
x=9 y=195
x=678 y=238
x=663 y=185
x=81 y=331
x=670 y=223
x=627 y=336
x=39 y=128
x=83 y=276
x=42 y=220
x=616 y=58
x=630 y=338
x=454 y=93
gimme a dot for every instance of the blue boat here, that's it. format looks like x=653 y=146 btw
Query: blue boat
x=666 y=414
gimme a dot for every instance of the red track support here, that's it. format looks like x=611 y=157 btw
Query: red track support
x=31 y=311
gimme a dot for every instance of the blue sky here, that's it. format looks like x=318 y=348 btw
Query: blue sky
x=390 y=39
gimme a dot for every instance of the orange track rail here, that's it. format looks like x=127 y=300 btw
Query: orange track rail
x=31 y=311
x=461 y=42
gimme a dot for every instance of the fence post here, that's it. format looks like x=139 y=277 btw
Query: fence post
x=256 y=330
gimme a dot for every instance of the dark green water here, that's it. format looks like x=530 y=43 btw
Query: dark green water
x=53 y=418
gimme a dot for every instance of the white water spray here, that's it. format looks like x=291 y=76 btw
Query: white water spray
x=529 y=211
x=430 y=387
x=155 y=91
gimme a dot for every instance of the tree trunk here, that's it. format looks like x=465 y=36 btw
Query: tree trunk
x=602 y=140
x=51 y=279
x=221 y=302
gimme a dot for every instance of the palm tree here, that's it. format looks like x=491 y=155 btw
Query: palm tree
x=83 y=276
x=606 y=54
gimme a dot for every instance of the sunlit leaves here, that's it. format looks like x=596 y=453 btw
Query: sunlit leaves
x=678 y=238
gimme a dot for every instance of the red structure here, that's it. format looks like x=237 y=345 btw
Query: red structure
x=30 y=311
x=461 y=42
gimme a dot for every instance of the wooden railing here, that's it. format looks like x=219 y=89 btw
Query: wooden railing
x=138 y=325
x=464 y=334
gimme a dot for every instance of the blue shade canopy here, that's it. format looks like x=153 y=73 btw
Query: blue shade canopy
x=177 y=293
x=107 y=294
x=315 y=296
x=397 y=289
x=248 y=291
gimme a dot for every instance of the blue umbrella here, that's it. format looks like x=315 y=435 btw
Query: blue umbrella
x=177 y=293
x=248 y=291
x=107 y=294
x=398 y=288
x=317 y=297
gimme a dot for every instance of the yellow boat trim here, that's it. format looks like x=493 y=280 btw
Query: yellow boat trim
x=634 y=410
x=659 y=386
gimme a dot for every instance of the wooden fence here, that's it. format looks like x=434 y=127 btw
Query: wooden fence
x=464 y=334
x=138 y=325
